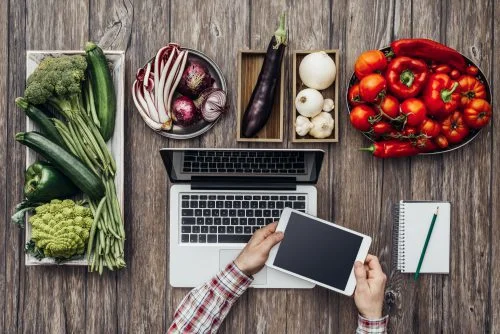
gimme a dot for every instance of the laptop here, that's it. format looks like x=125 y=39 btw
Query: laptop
x=220 y=197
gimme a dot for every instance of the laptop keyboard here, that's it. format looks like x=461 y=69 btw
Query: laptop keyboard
x=260 y=162
x=230 y=218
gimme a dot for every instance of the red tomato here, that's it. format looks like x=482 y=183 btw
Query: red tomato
x=442 y=69
x=390 y=106
x=441 y=141
x=382 y=127
x=353 y=95
x=415 y=111
x=426 y=145
x=369 y=62
x=472 y=70
x=372 y=87
x=430 y=127
x=454 y=128
x=362 y=117
x=455 y=74
x=477 y=114
x=409 y=131
x=470 y=88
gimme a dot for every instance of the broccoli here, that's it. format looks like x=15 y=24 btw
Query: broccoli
x=60 y=229
x=57 y=81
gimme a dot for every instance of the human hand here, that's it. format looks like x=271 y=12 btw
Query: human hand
x=369 y=294
x=254 y=255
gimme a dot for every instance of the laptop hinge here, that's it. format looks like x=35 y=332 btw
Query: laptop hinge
x=231 y=185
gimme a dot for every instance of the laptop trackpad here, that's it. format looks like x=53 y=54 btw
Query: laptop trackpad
x=228 y=255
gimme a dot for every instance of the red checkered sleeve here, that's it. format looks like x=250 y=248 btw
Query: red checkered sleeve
x=205 y=307
x=367 y=326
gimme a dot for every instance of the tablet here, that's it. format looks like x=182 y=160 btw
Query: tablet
x=318 y=251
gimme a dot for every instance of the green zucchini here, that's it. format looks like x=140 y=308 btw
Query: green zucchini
x=67 y=163
x=41 y=120
x=102 y=89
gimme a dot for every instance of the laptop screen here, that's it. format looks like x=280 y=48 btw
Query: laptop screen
x=297 y=166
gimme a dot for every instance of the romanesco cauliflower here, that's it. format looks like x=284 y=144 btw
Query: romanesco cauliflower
x=61 y=228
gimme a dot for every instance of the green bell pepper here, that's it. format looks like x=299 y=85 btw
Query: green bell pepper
x=44 y=182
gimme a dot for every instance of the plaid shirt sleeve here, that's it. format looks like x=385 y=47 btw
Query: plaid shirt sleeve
x=205 y=307
x=367 y=326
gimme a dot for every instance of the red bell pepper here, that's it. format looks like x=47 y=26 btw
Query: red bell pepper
x=406 y=76
x=441 y=95
x=429 y=50
x=392 y=149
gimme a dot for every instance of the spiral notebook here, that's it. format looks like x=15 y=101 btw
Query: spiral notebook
x=412 y=220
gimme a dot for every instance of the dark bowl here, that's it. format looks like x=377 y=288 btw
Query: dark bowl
x=473 y=132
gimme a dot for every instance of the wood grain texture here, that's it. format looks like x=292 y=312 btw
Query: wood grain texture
x=355 y=190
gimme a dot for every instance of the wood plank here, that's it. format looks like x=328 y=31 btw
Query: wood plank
x=359 y=193
x=306 y=310
x=468 y=26
x=13 y=268
x=219 y=34
x=139 y=303
x=47 y=28
x=419 y=180
x=5 y=280
x=494 y=258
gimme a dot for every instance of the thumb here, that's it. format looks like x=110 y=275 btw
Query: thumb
x=270 y=241
x=360 y=273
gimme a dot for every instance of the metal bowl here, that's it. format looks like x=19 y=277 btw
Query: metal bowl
x=201 y=126
x=473 y=132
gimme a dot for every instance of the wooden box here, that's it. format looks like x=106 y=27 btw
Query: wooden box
x=249 y=66
x=331 y=92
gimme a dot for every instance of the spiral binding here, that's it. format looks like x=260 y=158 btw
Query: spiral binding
x=398 y=238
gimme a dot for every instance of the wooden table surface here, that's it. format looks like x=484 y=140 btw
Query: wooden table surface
x=354 y=189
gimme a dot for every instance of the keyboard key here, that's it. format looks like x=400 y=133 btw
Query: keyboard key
x=186 y=229
x=213 y=229
x=202 y=204
x=230 y=229
x=202 y=238
x=221 y=229
x=299 y=205
x=230 y=197
x=209 y=221
x=193 y=204
x=252 y=221
x=220 y=197
x=245 y=205
x=292 y=198
x=185 y=196
x=196 y=229
x=283 y=198
x=215 y=213
x=194 y=197
x=185 y=204
x=234 y=221
x=280 y=205
x=267 y=213
x=232 y=212
x=288 y=204
x=274 y=198
x=219 y=205
x=254 y=204
x=226 y=221
x=239 y=229
x=187 y=212
x=262 y=205
x=198 y=212
x=238 y=198
x=249 y=213
x=234 y=238
x=200 y=221
x=228 y=205
x=265 y=198
x=224 y=213
x=301 y=198
x=211 y=204
x=271 y=205
x=217 y=221
x=247 y=198
x=193 y=238
x=256 y=198
x=203 y=197
x=269 y=221
x=276 y=214
x=241 y=213
x=212 y=197
x=260 y=221
x=243 y=221
x=237 y=204
x=258 y=213
x=188 y=221
x=204 y=229
x=247 y=230
x=206 y=212
x=212 y=238
x=185 y=237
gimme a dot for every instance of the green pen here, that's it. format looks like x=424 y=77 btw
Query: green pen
x=417 y=272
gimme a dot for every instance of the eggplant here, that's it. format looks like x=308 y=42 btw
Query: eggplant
x=261 y=102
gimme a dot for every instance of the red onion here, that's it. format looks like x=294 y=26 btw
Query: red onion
x=212 y=103
x=195 y=79
x=184 y=112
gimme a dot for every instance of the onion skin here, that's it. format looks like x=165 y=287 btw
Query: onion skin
x=195 y=79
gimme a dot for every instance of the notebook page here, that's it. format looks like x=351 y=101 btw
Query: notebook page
x=417 y=220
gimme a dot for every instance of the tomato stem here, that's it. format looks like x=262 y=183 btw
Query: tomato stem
x=407 y=77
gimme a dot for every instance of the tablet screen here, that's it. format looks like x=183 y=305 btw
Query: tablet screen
x=318 y=251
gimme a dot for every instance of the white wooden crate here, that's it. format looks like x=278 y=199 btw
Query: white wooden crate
x=116 y=60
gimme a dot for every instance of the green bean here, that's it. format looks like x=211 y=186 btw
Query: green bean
x=94 y=225
x=80 y=151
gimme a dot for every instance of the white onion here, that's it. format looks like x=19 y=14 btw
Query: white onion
x=317 y=70
x=309 y=102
